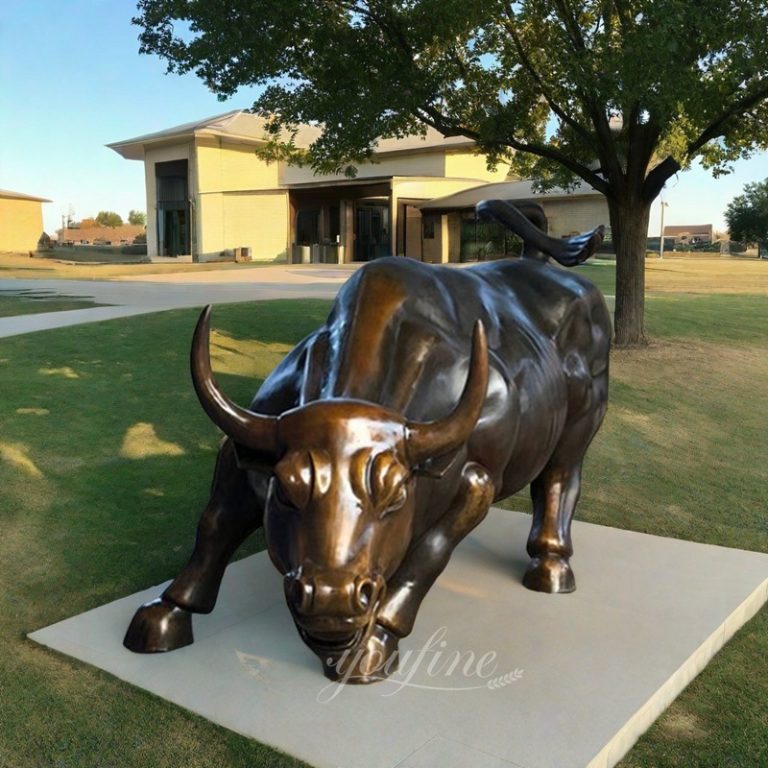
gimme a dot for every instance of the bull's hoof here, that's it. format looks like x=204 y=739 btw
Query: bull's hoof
x=549 y=574
x=375 y=659
x=157 y=627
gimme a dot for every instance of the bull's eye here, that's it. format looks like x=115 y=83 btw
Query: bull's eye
x=387 y=483
x=294 y=478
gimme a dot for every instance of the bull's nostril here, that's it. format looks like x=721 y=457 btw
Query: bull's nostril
x=301 y=594
x=366 y=589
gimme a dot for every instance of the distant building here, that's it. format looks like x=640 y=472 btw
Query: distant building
x=21 y=221
x=123 y=235
x=209 y=195
x=690 y=234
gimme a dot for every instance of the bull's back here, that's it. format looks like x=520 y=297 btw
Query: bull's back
x=399 y=334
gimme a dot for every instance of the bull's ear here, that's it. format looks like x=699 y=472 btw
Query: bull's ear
x=436 y=468
x=248 y=458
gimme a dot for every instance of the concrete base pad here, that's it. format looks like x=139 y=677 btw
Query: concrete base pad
x=497 y=675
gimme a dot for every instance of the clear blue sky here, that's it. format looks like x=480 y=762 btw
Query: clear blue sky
x=72 y=80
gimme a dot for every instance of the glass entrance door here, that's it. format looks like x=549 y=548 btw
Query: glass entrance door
x=372 y=231
x=173 y=230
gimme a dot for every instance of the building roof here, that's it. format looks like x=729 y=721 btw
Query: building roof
x=21 y=196
x=502 y=190
x=245 y=127
x=357 y=181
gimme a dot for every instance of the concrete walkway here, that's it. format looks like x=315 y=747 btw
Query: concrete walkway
x=155 y=293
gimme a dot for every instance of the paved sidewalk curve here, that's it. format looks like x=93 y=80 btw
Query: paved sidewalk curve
x=155 y=293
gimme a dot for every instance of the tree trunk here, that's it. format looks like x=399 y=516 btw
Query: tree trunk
x=629 y=227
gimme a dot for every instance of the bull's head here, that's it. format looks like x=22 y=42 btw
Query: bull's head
x=340 y=505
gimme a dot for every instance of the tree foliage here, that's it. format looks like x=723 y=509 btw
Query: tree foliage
x=747 y=215
x=88 y=224
x=137 y=218
x=621 y=95
x=109 y=219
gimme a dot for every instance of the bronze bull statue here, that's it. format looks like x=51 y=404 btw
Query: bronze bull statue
x=383 y=438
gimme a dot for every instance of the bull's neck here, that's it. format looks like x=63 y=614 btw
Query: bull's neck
x=364 y=353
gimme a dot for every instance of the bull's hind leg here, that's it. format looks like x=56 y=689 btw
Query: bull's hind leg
x=555 y=493
x=232 y=514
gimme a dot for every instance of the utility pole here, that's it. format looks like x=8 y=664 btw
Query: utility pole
x=661 y=236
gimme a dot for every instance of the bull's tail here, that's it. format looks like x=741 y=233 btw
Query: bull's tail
x=529 y=222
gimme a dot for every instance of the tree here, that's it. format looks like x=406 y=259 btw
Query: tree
x=109 y=219
x=747 y=216
x=619 y=94
x=88 y=224
x=137 y=217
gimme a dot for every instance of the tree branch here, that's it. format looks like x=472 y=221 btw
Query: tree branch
x=655 y=180
x=534 y=73
x=571 y=25
x=622 y=15
x=717 y=127
x=605 y=145
x=634 y=167
x=434 y=118
x=640 y=149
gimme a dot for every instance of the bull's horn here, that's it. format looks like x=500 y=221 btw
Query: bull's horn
x=427 y=441
x=249 y=429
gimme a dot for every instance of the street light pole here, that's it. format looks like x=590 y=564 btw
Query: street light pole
x=661 y=236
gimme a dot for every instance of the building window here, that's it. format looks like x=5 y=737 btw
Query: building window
x=308 y=227
x=483 y=240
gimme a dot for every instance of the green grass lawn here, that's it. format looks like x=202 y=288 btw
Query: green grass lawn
x=62 y=266
x=29 y=302
x=106 y=459
x=601 y=273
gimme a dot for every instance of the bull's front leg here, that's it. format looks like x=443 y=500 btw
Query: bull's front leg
x=425 y=561
x=231 y=515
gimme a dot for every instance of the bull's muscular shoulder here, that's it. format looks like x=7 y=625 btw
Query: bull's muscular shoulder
x=385 y=318
x=398 y=287
x=288 y=384
x=390 y=280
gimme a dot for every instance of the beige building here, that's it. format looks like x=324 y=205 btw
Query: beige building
x=453 y=232
x=21 y=221
x=690 y=234
x=211 y=195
